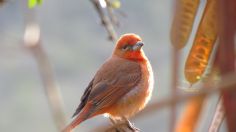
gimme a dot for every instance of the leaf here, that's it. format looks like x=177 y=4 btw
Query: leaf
x=182 y=24
x=116 y=4
x=33 y=3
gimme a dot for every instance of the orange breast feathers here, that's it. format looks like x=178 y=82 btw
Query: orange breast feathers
x=121 y=87
x=137 y=98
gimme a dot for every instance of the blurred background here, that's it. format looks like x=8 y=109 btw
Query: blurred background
x=77 y=44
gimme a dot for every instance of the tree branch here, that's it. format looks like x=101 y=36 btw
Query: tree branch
x=105 y=20
x=33 y=43
x=218 y=117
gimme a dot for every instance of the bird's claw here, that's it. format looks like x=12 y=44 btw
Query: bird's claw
x=132 y=127
x=124 y=127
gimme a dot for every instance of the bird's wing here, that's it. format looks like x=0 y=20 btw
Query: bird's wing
x=112 y=81
x=84 y=98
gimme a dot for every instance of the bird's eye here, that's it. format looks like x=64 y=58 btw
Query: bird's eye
x=126 y=47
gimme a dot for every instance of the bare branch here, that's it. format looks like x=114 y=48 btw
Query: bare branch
x=105 y=20
x=111 y=14
x=174 y=84
x=218 y=117
x=33 y=43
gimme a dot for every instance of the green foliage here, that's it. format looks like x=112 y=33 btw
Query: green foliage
x=116 y=4
x=33 y=3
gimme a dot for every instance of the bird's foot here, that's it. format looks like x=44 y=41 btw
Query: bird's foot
x=123 y=125
x=116 y=127
x=132 y=127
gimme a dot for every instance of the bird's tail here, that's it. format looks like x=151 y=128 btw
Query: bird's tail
x=73 y=124
x=77 y=120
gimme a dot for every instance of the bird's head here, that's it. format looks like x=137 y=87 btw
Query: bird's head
x=129 y=46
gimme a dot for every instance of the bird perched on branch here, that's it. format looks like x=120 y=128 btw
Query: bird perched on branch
x=121 y=87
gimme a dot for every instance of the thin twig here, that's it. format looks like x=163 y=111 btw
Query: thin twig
x=175 y=69
x=33 y=43
x=226 y=81
x=50 y=86
x=218 y=117
x=219 y=114
x=105 y=20
x=111 y=14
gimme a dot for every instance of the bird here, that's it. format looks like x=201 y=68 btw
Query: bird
x=121 y=87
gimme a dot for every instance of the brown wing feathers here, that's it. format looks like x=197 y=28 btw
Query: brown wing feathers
x=105 y=89
x=84 y=98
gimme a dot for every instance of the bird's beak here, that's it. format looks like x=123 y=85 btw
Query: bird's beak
x=138 y=46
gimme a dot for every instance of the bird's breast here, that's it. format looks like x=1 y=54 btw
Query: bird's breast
x=136 y=99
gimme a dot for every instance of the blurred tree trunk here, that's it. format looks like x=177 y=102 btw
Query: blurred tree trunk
x=226 y=57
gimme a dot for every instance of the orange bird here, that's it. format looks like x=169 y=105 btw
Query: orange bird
x=121 y=87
